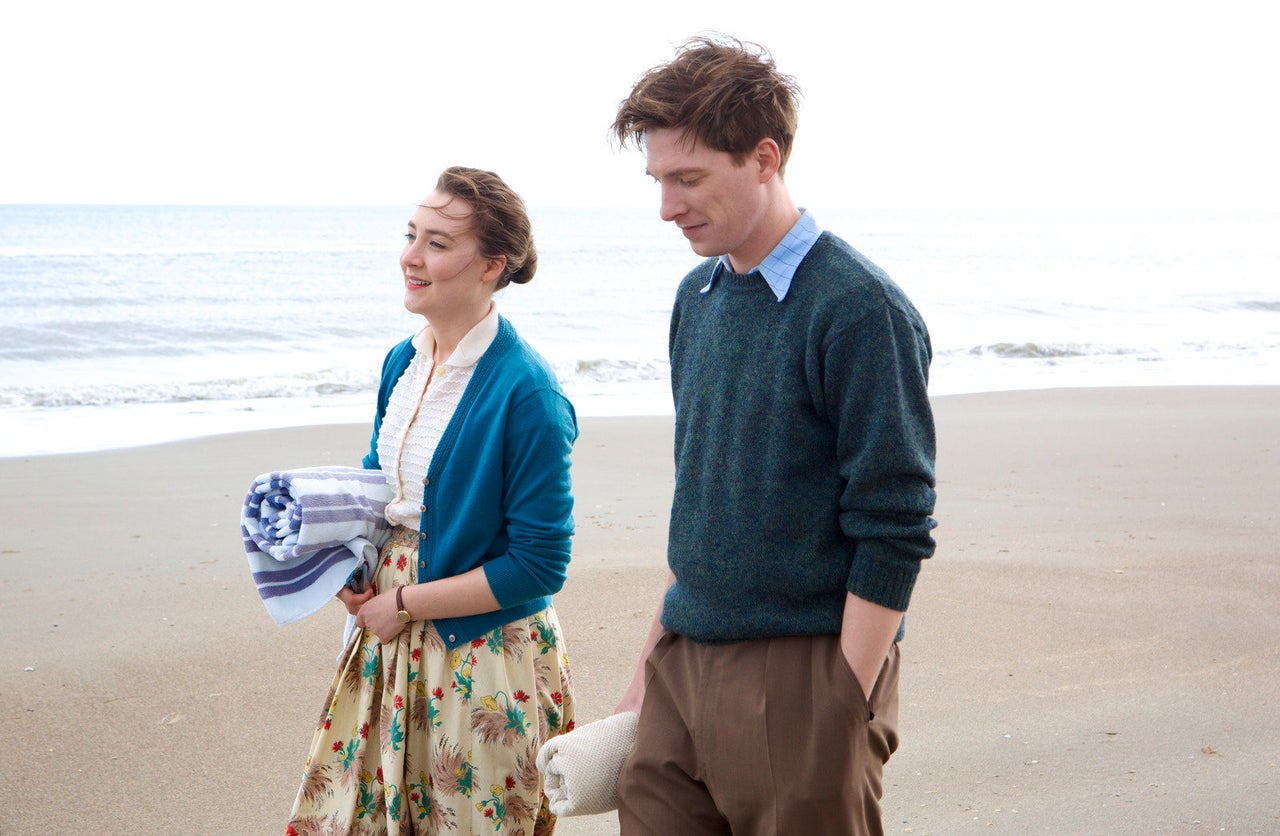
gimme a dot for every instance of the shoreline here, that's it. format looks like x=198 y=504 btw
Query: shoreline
x=211 y=419
x=1093 y=641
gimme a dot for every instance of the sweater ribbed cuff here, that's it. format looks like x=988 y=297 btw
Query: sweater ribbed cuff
x=883 y=575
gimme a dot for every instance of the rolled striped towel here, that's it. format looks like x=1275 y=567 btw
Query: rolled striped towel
x=307 y=531
x=580 y=768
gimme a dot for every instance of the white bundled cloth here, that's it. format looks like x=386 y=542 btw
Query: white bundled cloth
x=580 y=769
x=308 y=531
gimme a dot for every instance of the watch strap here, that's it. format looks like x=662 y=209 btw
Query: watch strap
x=401 y=612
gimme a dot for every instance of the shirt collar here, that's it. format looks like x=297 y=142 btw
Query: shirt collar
x=779 y=267
x=471 y=348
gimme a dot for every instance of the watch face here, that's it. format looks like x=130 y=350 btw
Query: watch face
x=403 y=616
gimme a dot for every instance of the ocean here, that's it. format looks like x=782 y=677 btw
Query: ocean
x=127 y=325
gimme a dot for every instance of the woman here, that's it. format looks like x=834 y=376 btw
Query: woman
x=459 y=674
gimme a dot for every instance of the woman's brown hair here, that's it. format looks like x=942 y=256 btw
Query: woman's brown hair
x=499 y=220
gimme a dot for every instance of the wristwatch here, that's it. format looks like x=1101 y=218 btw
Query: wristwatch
x=401 y=612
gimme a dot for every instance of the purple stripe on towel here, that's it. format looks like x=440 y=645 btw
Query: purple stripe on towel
x=275 y=583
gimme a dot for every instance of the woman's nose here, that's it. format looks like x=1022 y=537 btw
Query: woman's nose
x=412 y=254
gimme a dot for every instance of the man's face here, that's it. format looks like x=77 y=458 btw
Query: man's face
x=718 y=204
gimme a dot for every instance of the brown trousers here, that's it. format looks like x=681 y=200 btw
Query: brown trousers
x=770 y=737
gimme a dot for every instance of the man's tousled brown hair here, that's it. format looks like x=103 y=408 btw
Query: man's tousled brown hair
x=725 y=93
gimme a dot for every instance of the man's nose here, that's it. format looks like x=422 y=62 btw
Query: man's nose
x=672 y=206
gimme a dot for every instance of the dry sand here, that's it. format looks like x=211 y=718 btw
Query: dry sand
x=1093 y=649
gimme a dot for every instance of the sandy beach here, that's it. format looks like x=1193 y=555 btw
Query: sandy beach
x=1093 y=649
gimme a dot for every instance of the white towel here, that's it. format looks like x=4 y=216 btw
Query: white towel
x=580 y=769
x=307 y=531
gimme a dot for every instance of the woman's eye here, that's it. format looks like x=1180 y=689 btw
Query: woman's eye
x=408 y=236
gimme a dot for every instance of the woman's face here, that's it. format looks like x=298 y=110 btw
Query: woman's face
x=444 y=272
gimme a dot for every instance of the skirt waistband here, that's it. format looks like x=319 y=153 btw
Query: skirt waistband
x=402 y=535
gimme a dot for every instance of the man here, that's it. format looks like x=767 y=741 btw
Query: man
x=804 y=451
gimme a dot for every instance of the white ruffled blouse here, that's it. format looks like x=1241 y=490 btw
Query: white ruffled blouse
x=418 y=411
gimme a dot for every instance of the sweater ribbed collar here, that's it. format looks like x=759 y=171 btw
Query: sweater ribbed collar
x=779 y=267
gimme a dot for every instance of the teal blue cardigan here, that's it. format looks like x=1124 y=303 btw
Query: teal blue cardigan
x=497 y=493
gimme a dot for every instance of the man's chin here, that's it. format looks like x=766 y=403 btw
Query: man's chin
x=706 y=249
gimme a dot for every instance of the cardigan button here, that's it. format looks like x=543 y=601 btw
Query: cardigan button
x=426 y=481
x=422 y=508
x=452 y=637
x=422 y=535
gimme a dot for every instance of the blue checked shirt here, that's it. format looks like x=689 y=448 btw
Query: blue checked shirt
x=779 y=267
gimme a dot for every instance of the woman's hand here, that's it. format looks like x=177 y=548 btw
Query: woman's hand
x=353 y=600
x=455 y=597
x=379 y=615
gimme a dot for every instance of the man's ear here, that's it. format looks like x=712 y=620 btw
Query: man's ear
x=768 y=159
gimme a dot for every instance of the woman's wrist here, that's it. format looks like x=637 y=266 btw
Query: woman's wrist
x=402 y=613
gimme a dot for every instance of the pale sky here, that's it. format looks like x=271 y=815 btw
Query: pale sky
x=906 y=104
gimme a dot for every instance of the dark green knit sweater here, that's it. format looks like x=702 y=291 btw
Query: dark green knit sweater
x=804 y=448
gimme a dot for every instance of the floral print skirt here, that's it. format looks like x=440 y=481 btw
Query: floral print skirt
x=417 y=739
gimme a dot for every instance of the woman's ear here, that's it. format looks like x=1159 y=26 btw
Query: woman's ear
x=493 y=268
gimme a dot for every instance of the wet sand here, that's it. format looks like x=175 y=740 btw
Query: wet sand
x=1093 y=649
